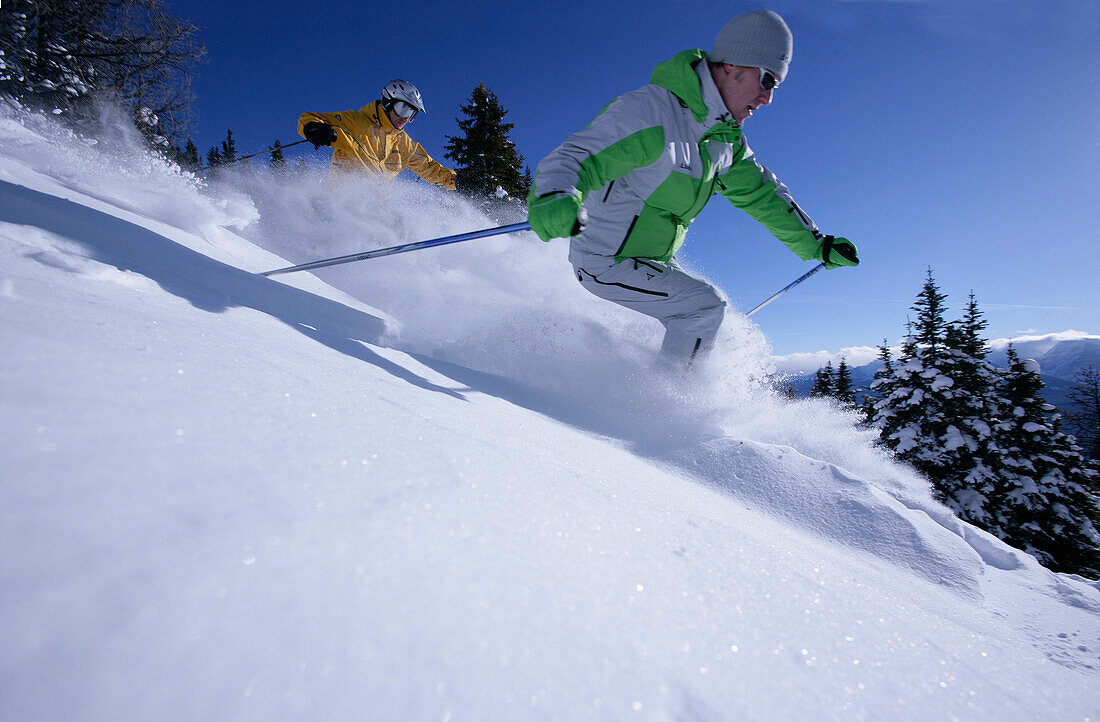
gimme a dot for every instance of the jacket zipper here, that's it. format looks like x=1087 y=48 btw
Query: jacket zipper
x=627 y=236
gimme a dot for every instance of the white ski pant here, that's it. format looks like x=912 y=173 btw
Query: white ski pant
x=690 y=309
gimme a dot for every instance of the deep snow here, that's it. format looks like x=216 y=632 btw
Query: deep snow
x=444 y=485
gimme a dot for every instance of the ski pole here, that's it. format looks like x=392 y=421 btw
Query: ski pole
x=246 y=157
x=416 y=246
x=788 y=287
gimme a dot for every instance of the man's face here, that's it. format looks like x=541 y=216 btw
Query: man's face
x=740 y=90
x=398 y=122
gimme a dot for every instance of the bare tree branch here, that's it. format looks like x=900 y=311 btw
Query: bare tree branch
x=66 y=54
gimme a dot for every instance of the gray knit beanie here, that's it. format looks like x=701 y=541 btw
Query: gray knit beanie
x=757 y=39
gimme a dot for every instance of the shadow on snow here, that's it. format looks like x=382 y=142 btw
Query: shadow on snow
x=205 y=283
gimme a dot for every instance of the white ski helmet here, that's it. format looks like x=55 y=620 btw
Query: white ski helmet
x=404 y=91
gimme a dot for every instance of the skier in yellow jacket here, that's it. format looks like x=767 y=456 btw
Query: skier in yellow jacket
x=373 y=138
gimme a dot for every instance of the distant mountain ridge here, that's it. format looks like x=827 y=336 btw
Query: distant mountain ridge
x=1060 y=357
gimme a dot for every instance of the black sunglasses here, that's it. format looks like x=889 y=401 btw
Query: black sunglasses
x=767 y=80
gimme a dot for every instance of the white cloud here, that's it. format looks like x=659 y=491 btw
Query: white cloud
x=799 y=363
x=1069 y=335
x=808 y=362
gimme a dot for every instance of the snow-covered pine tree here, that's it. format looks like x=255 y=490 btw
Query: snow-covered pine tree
x=1083 y=411
x=972 y=455
x=488 y=167
x=911 y=409
x=63 y=55
x=37 y=41
x=882 y=385
x=1046 y=500
x=986 y=439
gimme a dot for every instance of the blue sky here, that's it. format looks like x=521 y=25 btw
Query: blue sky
x=962 y=136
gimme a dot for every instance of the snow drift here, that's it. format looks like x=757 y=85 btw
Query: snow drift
x=446 y=484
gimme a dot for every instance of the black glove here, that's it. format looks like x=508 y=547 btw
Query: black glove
x=319 y=133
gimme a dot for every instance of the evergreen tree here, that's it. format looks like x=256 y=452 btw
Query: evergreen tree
x=910 y=410
x=221 y=155
x=882 y=386
x=229 y=148
x=931 y=328
x=843 y=391
x=1083 y=412
x=485 y=158
x=985 y=438
x=278 y=161
x=824 y=381
x=964 y=360
x=1046 y=499
x=970 y=407
x=188 y=157
x=970 y=329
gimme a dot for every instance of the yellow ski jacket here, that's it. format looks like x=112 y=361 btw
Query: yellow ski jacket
x=366 y=139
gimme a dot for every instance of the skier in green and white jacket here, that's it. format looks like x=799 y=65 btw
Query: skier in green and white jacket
x=626 y=187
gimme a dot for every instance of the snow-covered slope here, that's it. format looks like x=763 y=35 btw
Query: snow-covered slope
x=444 y=485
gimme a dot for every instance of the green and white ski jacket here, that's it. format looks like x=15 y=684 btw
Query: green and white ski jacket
x=651 y=160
